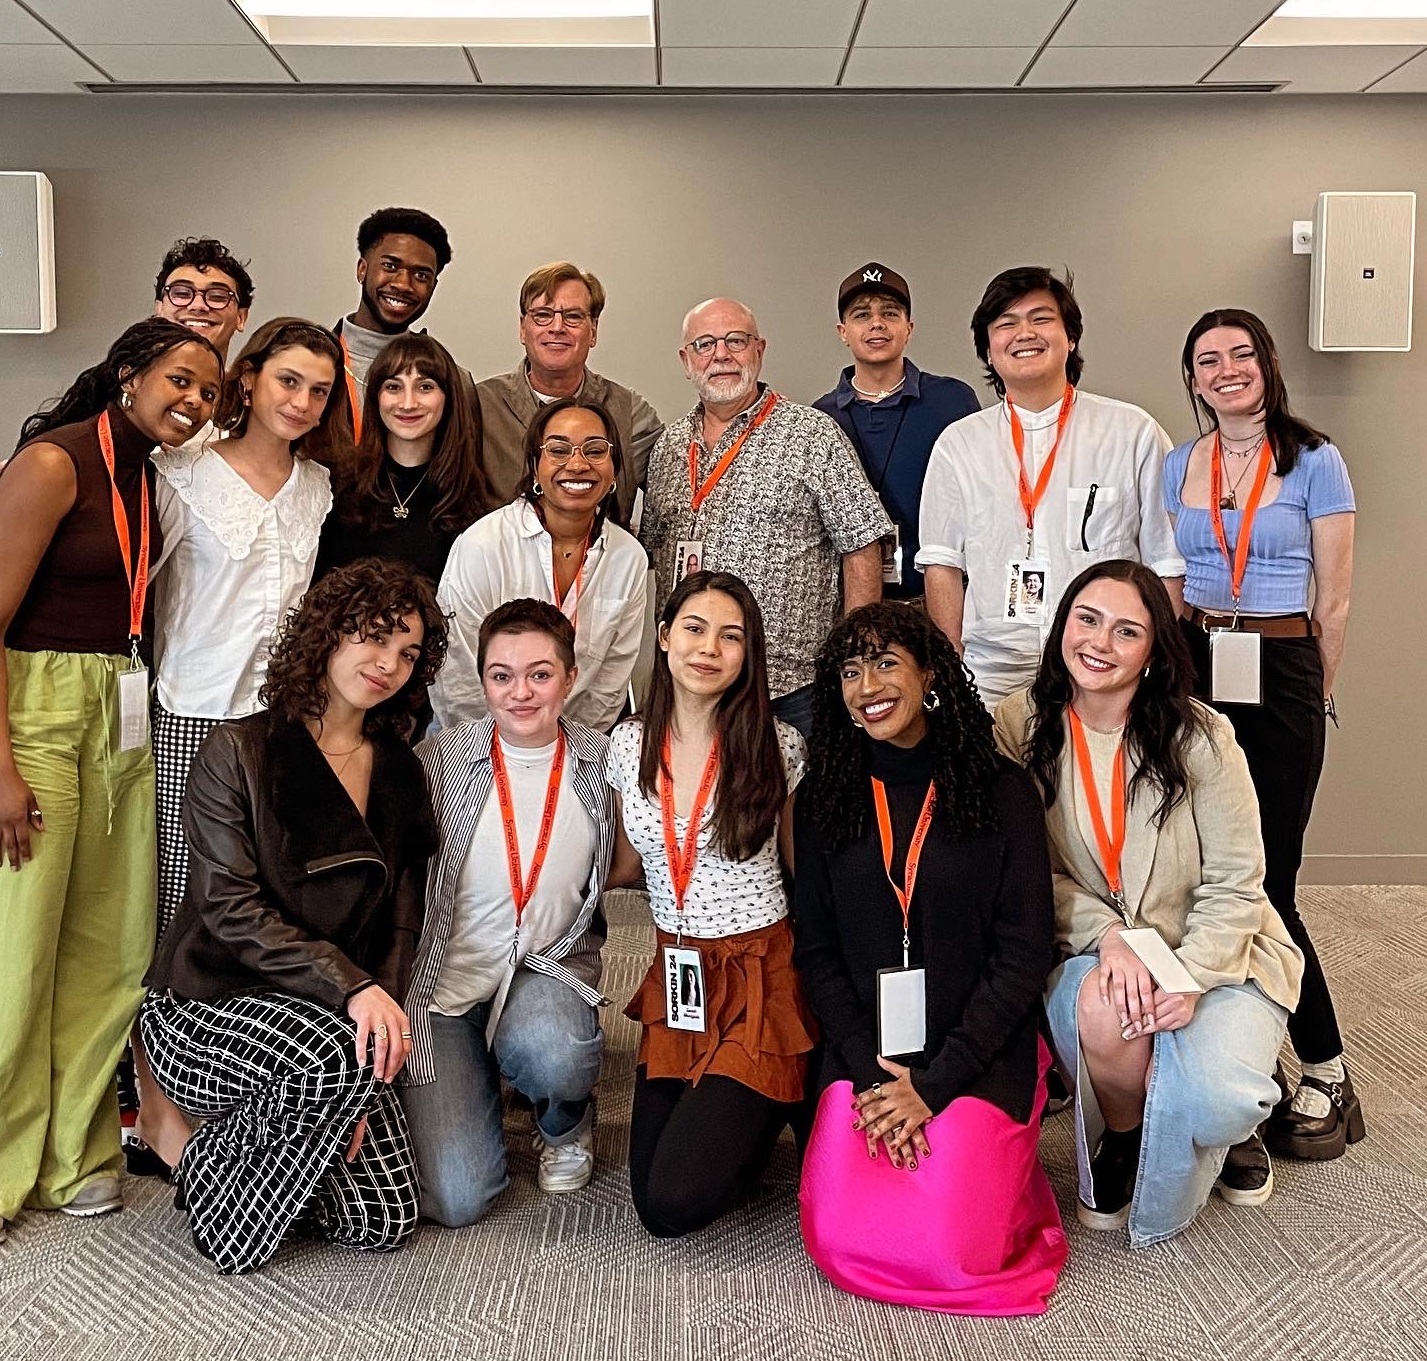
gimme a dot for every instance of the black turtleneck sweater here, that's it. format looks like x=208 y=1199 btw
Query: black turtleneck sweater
x=982 y=925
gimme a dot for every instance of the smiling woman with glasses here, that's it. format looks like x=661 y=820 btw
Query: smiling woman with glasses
x=560 y=540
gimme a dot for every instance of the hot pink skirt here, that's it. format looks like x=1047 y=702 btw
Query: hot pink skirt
x=974 y=1230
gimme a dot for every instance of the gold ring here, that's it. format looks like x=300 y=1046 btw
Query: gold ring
x=876 y=1089
x=381 y=1032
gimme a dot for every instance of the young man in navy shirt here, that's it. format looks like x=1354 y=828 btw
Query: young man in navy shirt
x=890 y=410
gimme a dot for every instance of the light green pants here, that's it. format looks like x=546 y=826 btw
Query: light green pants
x=76 y=928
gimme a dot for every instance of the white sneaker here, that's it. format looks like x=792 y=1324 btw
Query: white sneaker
x=101 y=1197
x=568 y=1166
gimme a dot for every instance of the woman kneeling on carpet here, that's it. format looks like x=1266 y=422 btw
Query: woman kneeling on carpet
x=1172 y=1004
x=924 y=929
x=272 y=1014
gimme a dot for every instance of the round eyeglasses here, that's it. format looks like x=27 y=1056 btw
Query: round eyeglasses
x=558 y=450
x=735 y=342
x=574 y=317
x=217 y=296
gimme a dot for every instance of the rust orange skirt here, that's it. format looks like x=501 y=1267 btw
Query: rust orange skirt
x=760 y=1030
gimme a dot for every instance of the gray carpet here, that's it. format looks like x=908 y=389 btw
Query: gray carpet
x=1330 y=1268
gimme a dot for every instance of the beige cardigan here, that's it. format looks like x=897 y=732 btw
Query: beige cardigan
x=1204 y=887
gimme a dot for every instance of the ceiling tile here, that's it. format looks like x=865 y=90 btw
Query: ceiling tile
x=1101 y=66
x=1408 y=79
x=17 y=27
x=958 y=23
x=936 y=67
x=1161 y=23
x=125 y=22
x=766 y=68
x=379 y=65
x=33 y=68
x=565 y=66
x=756 y=23
x=1312 y=70
x=188 y=65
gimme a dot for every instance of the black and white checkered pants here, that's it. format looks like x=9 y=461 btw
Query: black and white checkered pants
x=277 y=1081
x=176 y=743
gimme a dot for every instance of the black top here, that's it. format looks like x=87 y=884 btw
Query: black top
x=411 y=539
x=982 y=925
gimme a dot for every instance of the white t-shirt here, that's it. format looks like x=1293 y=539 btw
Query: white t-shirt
x=478 y=954
x=725 y=897
x=972 y=518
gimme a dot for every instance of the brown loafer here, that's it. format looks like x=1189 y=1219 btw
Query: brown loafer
x=1291 y=1134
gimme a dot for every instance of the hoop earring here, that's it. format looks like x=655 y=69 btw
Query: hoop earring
x=931 y=701
x=126 y=399
x=536 y=489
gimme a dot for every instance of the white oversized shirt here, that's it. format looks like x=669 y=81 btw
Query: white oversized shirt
x=506 y=555
x=972 y=517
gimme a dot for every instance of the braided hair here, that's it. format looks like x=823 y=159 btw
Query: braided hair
x=964 y=759
x=137 y=350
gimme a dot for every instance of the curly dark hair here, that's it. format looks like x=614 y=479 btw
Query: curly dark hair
x=964 y=762
x=1163 y=717
x=609 y=508
x=204 y=253
x=405 y=222
x=1010 y=286
x=365 y=597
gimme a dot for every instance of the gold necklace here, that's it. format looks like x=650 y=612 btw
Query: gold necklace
x=402 y=508
x=336 y=769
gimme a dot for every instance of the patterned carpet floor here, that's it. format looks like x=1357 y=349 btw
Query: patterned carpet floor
x=1331 y=1269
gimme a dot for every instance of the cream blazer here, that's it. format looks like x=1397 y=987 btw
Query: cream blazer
x=1203 y=890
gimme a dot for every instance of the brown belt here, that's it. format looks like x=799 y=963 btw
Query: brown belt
x=1269 y=626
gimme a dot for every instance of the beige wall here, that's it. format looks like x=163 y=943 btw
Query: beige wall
x=1163 y=207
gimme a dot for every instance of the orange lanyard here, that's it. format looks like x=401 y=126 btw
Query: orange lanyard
x=136 y=573
x=1237 y=562
x=682 y=858
x=698 y=492
x=1030 y=500
x=524 y=892
x=352 y=396
x=1111 y=843
x=914 y=856
x=574 y=615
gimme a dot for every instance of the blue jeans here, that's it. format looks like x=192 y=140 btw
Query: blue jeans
x=1211 y=1085
x=547 y=1045
x=796 y=709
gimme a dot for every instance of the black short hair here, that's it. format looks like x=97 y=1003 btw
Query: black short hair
x=405 y=222
x=1009 y=286
x=203 y=253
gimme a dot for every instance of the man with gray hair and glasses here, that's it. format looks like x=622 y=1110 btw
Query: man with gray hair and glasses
x=770 y=490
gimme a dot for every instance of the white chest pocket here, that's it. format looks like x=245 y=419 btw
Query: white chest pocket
x=1095 y=521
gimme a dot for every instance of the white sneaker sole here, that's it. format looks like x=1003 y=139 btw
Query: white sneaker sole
x=1100 y=1220
x=91 y=1211
x=558 y=1186
x=1245 y=1199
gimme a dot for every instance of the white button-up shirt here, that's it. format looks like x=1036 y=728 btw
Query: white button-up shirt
x=507 y=555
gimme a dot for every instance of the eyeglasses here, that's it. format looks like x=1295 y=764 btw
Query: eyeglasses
x=574 y=317
x=217 y=296
x=735 y=342
x=559 y=450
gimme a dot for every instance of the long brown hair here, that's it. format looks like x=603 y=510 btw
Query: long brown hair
x=463 y=493
x=752 y=785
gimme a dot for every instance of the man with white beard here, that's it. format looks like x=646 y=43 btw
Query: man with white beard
x=770 y=490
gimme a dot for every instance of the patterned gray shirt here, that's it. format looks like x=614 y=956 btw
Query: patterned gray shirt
x=790 y=505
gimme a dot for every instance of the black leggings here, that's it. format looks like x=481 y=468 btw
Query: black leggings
x=697 y=1151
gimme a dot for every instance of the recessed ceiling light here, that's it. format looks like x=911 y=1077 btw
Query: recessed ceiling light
x=1334 y=23
x=454 y=23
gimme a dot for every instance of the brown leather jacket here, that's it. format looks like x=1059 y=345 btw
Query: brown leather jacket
x=289 y=887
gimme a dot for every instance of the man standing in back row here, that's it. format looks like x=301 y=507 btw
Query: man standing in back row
x=1022 y=496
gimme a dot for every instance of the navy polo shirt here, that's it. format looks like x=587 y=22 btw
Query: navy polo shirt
x=894 y=439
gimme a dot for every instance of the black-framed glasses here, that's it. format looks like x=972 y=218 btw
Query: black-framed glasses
x=217 y=296
x=735 y=342
x=574 y=317
x=560 y=450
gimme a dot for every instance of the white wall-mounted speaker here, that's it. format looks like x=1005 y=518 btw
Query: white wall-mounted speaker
x=27 y=253
x=1362 y=272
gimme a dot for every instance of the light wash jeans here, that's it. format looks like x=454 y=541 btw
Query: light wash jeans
x=547 y=1045
x=1211 y=1085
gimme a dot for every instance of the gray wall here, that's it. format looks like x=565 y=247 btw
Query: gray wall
x=1163 y=207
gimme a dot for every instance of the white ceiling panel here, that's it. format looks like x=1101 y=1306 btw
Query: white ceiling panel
x=959 y=23
x=17 y=27
x=1161 y=23
x=1312 y=70
x=563 y=67
x=756 y=23
x=188 y=65
x=33 y=68
x=1408 y=79
x=765 y=67
x=379 y=65
x=120 y=23
x=1102 y=66
x=936 y=67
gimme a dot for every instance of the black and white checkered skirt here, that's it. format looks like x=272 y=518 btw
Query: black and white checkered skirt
x=176 y=743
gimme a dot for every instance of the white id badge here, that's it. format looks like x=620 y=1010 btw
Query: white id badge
x=1234 y=671
x=901 y=1011
x=1026 y=582
x=1164 y=965
x=134 y=709
x=689 y=558
x=891 y=546
x=683 y=989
